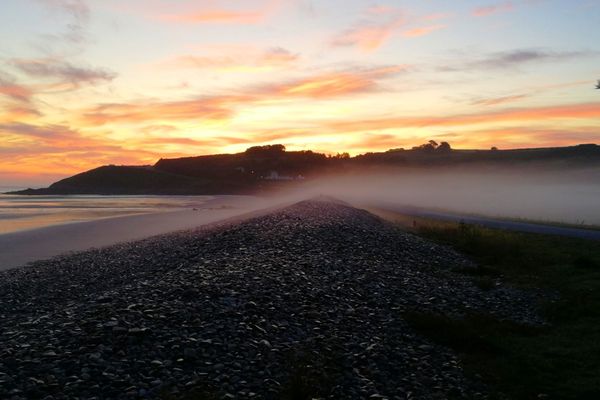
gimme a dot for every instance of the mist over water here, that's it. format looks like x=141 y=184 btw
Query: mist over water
x=29 y=212
x=533 y=193
x=537 y=193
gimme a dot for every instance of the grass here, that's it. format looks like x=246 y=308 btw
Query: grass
x=561 y=361
x=577 y=225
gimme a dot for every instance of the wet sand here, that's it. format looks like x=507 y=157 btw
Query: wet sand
x=20 y=248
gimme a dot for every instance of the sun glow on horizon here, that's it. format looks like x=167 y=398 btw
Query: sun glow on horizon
x=85 y=83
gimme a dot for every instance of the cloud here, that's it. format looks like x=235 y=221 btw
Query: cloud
x=222 y=108
x=37 y=149
x=492 y=9
x=279 y=56
x=10 y=88
x=422 y=31
x=529 y=137
x=219 y=141
x=276 y=135
x=502 y=7
x=368 y=36
x=334 y=84
x=494 y=101
x=575 y=111
x=381 y=10
x=79 y=12
x=208 y=109
x=516 y=58
x=18 y=113
x=527 y=92
x=48 y=132
x=240 y=59
x=37 y=160
x=215 y=15
x=380 y=23
x=51 y=71
x=62 y=70
x=78 y=9
x=374 y=140
x=324 y=86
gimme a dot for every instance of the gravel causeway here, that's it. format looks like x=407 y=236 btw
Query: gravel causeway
x=310 y=295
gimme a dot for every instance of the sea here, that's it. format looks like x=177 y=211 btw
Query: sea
x=19 y=213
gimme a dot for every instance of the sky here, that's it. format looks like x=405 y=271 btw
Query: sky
x=85 y=83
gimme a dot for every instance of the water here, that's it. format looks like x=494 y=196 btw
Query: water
x=29 y=212
x=4 y=189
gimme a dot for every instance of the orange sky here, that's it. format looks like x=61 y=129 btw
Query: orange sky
x=87 y=83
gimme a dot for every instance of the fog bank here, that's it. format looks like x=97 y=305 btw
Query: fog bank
x=568 y=195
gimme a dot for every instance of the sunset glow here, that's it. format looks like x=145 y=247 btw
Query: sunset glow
x=88 y=83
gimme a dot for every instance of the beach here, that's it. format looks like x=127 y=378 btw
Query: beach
x=26 y=212
x=309 y=297
x=20 y=247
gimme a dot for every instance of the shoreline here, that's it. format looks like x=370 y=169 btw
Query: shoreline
x=17 y=249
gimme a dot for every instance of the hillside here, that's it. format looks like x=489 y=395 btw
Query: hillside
x=115 y=180
x=427 y=155
x=265 y=167
x=256 y=163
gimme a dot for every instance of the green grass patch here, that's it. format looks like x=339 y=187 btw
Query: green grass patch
x=561 y=361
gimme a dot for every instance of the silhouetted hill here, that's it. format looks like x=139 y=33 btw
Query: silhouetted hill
x=265 y=167
x=425 y=156
x=113 y=180
x=256 y=162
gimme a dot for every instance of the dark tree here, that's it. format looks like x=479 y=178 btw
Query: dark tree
x=444 y=147
x=342 y=156
x=266 y=151
x=427 y=147
x=598 y=84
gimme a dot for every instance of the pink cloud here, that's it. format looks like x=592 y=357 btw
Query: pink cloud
x=365 y=38
x=223 y=108
x=368 y=37
x=216 y=16
x=422 y=31
x=571 y=111
x=219 y=15
x=238 y=58
x=381 y=10
x=333 y=84
x=15 y=91
x=381 y=23
x=493 y=9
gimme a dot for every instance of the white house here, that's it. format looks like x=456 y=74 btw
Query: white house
x=274 y=176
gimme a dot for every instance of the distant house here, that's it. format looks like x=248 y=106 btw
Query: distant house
x=274 y=176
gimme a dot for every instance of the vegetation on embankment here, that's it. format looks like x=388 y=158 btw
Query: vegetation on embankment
x=558 y=361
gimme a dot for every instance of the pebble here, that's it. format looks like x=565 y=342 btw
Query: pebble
x=236 y=310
